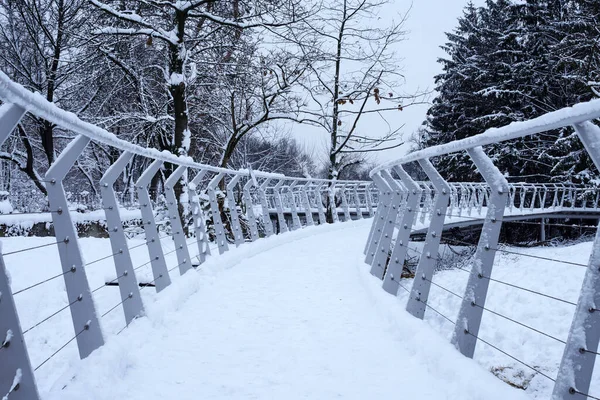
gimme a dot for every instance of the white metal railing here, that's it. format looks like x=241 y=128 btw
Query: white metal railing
x=252 y=201
x=494 y=201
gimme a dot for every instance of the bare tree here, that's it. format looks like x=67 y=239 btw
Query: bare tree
x=40 y=44
x=353 y=73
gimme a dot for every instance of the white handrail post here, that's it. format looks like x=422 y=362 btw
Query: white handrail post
x=266 y=214
x=14 y=359
x=577 y=365
x=382 y=249
x=215 y=212
x=199 y=219
x=238 y=235
x=306 y=201
x=128 y=285
x=76 y=283
x=250 y=215
x=385 y=198
x=471 y=310
x=391 y=280
x=181 y=247
x=424 y=274
x=293 y=207
x=157 y=257
x=283 y=228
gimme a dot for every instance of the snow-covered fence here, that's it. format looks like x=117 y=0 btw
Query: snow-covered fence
x=293 y=196
x=402 y=199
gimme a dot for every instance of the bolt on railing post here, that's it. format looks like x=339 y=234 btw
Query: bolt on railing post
x=250 y=210
x=293 y=207
x=128 y=284
x=396 y=263
x=199 y=218
x=577 y=365
x=266 y=215
x=181 y=249
x=471 y=310
x=216 y=213
x=384 y=239
x=283 y=228
x=319 y=201
x=157 y=257
x=17 y=381
x=357 y=201
x=238 y=235
x=306 y=204
x=424 y=274
x=76 y=283
x=385 y=198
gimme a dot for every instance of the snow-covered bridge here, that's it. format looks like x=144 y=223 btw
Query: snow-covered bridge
x=295 y=314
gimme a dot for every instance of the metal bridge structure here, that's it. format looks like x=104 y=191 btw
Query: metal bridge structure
x=244 y=206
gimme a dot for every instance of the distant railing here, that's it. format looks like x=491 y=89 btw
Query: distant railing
x=402 y=200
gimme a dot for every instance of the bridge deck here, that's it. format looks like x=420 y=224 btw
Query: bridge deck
x=303 y=320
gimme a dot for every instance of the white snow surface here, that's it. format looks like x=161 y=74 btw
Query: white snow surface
x=295 y=316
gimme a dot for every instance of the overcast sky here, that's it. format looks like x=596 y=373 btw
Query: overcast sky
x=428 y=21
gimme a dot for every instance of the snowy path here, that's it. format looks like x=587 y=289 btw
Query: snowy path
x=299 y=321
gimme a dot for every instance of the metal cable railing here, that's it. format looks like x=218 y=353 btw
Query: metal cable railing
x=270 y=203
x=436 y=205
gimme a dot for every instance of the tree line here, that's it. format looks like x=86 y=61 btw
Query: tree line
x=211 y=79
x=512 y=61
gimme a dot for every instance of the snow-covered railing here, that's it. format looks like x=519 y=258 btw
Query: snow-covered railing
x=240 y=196
x=402 y=200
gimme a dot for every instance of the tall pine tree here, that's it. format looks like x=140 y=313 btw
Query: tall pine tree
x=513 y=61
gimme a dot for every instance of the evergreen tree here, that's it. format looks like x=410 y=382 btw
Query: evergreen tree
x=510 y=62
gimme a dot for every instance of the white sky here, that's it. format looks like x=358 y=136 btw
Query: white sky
x=428 y=21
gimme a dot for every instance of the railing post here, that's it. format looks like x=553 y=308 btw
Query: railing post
x=422 y=282
x=76 y=283
x=238 y=235
x=295 y=219
x=394 y=269
x=331 y=186
x=250 y=210
x=319 y=202
x=128 y=284
x=385 y=198
x=181 y=248
x=345 y=203
x=575 y=371
x=17 y=381
x=216 y=213
x=10 y=115
x=357 y=201
x=369 y=200
x=266 y=218
x=157 y=257
x=384 y=239
x=279 y=206
x=199 y=219
x=471 y=310
x=306 y=204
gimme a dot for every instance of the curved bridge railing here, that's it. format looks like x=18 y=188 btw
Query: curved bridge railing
x=241 y=206
x=402 y=200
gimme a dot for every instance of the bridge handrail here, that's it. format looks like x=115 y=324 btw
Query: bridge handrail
x=202 y=190
x=577 y=114
x=14 y=93
x=398 y=212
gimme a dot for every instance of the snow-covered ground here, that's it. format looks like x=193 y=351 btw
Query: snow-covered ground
x=293 y=316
